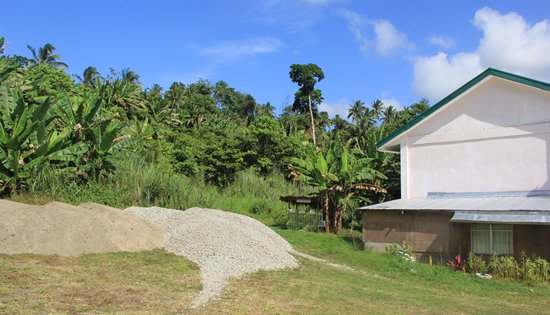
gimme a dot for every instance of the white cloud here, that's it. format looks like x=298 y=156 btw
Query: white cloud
x=356 y=24
x=289 y=15
x=389 y=39
x=392 y=102
x=437 y=76
x=444 y=42
x=338 y=108
x=386 y=39
x=509 y=43
x=240 y=48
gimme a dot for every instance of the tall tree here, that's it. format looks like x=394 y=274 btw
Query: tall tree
x=306 y=76
x=388 y=114
x=377 y=107
x=45 y=55
x=356 y=111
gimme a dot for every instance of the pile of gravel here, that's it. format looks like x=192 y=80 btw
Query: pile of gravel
x=223 y=244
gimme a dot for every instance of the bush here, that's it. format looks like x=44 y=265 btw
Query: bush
x=528 y=270
x=402 y=250
x=477 y=264
x=534 y=270
x=504 y=267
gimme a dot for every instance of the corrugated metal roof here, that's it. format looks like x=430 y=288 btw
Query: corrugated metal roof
x=452 y=202
x=512 y=217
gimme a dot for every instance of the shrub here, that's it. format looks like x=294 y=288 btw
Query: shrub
x=504 y=267
x=402 y=250
x=477 y=264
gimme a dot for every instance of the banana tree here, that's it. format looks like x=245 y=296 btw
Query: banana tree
x=99 y=135
x=28 y=139
x=340 y=176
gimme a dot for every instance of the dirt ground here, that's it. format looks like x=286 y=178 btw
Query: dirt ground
x=58 y=228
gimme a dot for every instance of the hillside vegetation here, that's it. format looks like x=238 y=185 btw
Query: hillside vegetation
x=107 y=138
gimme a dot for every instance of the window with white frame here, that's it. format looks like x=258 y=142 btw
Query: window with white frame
x=491 y=239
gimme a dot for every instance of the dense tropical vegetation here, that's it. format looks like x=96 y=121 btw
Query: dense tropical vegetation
x=87 y=130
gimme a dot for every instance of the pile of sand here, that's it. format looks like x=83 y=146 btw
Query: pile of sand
x=58 y=228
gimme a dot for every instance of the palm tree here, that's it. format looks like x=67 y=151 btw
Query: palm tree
x=357 y=110
x=89 y=76
x=376 y=109
x=129 y=75
x=389 y=114
x=46 y=56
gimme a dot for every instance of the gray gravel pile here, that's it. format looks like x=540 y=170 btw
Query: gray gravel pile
x=223 y=244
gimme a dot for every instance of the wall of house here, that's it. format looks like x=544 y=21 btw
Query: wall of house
x=495 y=137
x=533 y=239
x=432 y=234
x=428 y=233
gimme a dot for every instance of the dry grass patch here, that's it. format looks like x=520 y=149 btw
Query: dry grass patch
x=153 y=281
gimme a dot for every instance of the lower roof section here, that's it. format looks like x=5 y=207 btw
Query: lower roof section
x=475 y=202
x=515 y=217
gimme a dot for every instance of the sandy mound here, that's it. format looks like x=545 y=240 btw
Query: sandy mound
x=223 y=244
x=58 y=228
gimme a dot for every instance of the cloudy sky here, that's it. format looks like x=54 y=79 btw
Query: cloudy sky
x=397 y=51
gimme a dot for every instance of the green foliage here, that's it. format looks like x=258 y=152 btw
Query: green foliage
x=529 y=270
x=341 y=177
x=48 y=81
x=27 y=139
x=403 y=251
x=99 y=136
x=504 y=267
x=477 y=264
x=207 y=152
x=267 y=146
x=45 y=56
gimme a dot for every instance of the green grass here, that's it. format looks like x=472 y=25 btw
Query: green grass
x=383 y=284
x=157 y=282
x=140 y=184
x=160 y=283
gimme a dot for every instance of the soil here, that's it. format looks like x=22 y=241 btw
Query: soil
x=63 y=229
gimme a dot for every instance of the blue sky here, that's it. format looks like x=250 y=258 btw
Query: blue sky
x=397 y=51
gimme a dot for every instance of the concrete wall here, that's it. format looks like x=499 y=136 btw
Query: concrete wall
x=496 y=137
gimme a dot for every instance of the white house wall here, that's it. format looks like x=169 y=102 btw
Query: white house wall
x=495 y=137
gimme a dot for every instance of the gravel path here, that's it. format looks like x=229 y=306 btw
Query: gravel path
x=223 y=244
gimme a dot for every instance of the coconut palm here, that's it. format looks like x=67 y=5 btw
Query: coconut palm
x=357 y=110
x=377 y=107
x=388 y=114
x=46 y=56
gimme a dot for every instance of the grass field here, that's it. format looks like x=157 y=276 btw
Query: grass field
x=157 y=282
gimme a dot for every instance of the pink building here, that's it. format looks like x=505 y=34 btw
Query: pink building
x=475 y=173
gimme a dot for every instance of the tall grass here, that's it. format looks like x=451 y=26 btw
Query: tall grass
x=136 y=183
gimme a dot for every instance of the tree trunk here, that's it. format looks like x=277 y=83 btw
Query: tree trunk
x=312 y=121
x=338 y=217
x=326 y=206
